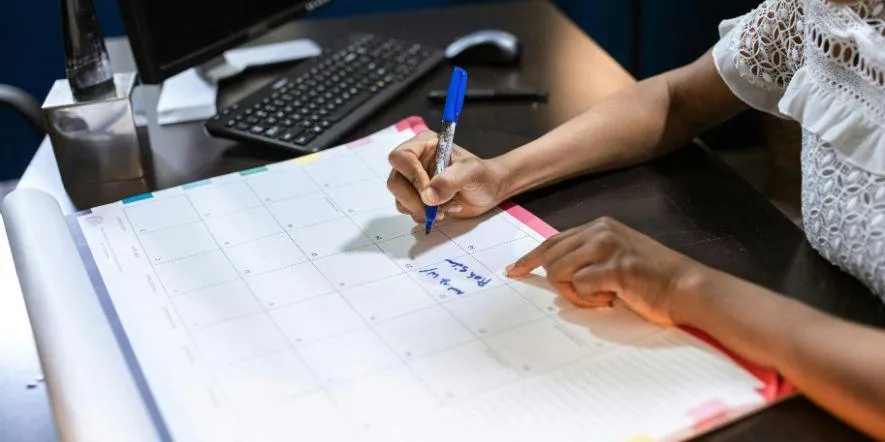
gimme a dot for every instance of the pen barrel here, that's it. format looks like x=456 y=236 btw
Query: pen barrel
x=444 y=147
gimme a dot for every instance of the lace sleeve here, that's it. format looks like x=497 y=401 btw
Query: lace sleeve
x=759 y=52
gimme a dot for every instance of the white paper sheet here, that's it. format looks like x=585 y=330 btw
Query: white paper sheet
x=292 y=302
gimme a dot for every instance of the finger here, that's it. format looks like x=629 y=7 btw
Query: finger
x=406 y=159
x=447 y=184
x=594 y=281
x=406 y=195
x=579 y=251
x=561 y=255
x=452 y=207
x=569 y=292
x=534 y=258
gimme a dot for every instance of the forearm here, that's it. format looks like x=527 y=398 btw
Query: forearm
x=837 y=364
x=634 y=125
x=625 y=129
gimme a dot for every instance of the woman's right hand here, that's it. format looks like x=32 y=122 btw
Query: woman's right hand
x=468 y=187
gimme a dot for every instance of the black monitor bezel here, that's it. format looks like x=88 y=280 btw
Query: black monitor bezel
x=153 y=71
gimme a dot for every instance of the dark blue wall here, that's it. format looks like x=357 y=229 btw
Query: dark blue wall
x=673 y=32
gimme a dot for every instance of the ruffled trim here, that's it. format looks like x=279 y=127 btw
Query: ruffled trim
x=753 y=95
x=859 y=139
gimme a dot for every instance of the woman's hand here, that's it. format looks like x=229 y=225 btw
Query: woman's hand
x=468 y=187
x=592 y=264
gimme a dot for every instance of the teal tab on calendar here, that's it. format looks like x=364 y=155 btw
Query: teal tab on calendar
x=132 y=199
x=253 y=171
x=196 y=184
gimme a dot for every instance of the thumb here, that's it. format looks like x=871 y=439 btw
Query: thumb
x=444 y=186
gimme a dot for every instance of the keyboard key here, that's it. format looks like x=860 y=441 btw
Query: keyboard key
x=288 y=109
x=278 y=103
x=270 y=108
x=272 y=132
x=305 y=138
x=252 y=120
x=248 y=111
x=287 y=97
x=271 y=120
x=230 y=123
x=261 y=114
x=280 y=83
x=280 y=115
x=342 y=111
x=242 y=126
x=288 y=123
x=256 y=129
x=317 y=129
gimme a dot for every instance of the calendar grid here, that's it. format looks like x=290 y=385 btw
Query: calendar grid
x=301 y=290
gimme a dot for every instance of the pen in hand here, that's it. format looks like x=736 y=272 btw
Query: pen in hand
x=451 y=112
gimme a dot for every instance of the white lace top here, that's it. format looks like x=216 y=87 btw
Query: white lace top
x=823 y=65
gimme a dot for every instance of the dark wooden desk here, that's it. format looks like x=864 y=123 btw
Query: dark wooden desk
x=690 y=200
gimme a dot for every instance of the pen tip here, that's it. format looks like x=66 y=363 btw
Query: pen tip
x=427 y=230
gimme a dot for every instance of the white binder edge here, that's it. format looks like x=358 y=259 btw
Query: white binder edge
x=92 y=391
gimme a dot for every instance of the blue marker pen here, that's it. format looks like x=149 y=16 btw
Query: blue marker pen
x=451 y=112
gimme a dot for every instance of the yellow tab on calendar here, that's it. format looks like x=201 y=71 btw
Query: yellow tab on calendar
x=640 y=438
x=306 y=159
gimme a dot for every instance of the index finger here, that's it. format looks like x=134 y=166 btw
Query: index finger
x=406 y=159
x=534 y=259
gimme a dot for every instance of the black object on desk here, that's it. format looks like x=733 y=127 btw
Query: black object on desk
x=315 y=104
x=524 y=95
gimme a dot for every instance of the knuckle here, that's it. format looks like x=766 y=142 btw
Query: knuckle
x=629 y=264
x=605 y=222
x=606 y=238
x=395 y=155
x=391 y=181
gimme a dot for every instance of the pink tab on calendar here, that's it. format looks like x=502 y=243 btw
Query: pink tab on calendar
x=529 y=219
x=708 y=413
x=360 y=142
x=415 y=123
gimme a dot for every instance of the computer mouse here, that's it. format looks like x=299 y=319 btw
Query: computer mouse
x=491 y=46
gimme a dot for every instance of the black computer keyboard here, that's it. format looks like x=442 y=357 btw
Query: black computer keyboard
x=312 y=106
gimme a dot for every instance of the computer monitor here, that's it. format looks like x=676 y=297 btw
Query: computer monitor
x=170 y=36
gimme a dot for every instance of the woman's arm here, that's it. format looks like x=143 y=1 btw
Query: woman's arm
x=636 y=124
x=837 y=364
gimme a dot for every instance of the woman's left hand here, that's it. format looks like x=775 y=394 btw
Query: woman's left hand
x=592 y=264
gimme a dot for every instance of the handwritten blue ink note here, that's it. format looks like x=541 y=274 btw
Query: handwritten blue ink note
x=454 y=278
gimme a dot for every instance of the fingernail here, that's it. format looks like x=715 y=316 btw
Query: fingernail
x=455 y=208
x=429 y=196
x=440 y=215
x=509 y=269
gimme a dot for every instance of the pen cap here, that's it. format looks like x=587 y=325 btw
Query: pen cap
x=455 y=96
